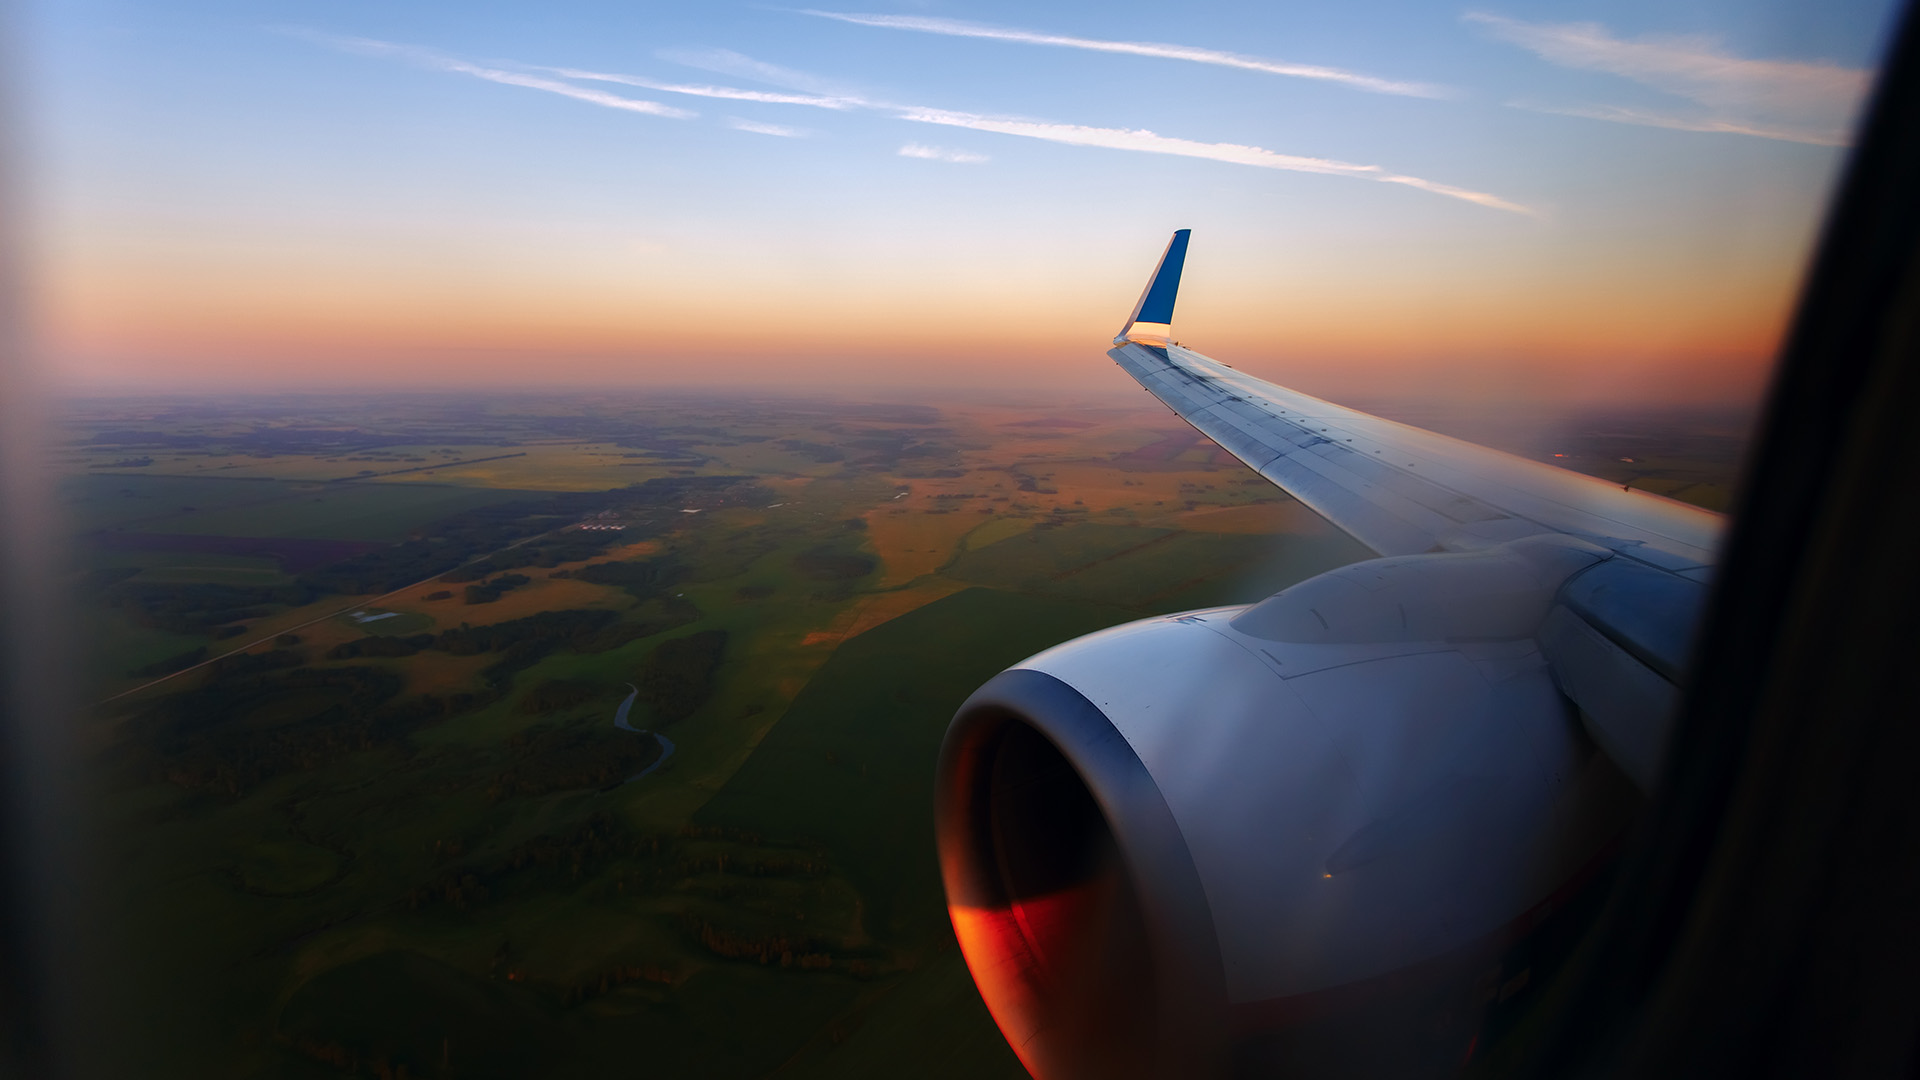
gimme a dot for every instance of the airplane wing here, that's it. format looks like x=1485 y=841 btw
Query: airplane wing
x=1397 y=489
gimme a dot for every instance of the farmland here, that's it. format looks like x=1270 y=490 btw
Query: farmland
x=361 y=801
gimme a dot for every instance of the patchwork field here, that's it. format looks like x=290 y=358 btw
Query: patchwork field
x=363 y=802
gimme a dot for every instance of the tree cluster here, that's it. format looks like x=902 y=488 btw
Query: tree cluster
x=614 y=978
x=548 y=628
x=556 y=695
x=677 y=677
x=571 y=757
x=198 y=608
x=375 y=645
x=830 y=563
x=766 y=948
x=235 y=732
x=488 y=592
x=647 y=508
x=643 y=579
x=237 y=664
x=548 y=552
x=555 y=859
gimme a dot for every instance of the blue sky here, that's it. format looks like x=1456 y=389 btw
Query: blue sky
x=305 y=192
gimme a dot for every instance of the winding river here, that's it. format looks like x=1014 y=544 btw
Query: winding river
x=620 y=721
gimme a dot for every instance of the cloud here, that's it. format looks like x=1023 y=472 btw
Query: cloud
x=728 y=62
x=439 y=62
x=1622 y=115
x=1797 y=101
x=1148 y=142
x=727 y=93
x=1192 y=54
x=759 y=128
x=935 y=153
x=1079 y=135
x=820 y=94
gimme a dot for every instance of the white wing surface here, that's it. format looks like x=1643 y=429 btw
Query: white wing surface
x=1396 y=488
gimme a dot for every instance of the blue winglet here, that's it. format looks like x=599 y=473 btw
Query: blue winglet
x=1156 y=302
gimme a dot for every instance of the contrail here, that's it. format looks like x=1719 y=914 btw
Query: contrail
x=1190 y=53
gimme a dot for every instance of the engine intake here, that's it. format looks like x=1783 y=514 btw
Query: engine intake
x=1089 y=968
x=1174 y=848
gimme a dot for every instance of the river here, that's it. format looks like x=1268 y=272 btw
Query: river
x=620 y=721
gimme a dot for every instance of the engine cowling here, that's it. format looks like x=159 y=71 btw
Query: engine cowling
x=1199 y=845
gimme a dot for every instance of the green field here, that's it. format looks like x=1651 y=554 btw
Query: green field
x=1149 y=571
x=339 y=848
x=848 y=767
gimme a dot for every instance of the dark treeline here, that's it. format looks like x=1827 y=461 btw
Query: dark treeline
x=557 y=695
x=239 y=730
x=677 y=677
x=553 y=628
x=555 y=860
x=374 y=645
x=453 y=542
x=524 y=642
x=584 y=754
x=184 y=608
x=216 y=609
x=627 y=862
x=643 y=579
x=648 y=509
x=830 y=563
x=776 y=947
x=238 y=664
x=571 y=546
x=256 y=716
x=488 y=592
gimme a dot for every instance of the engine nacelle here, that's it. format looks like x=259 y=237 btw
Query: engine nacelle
x=1172 y=847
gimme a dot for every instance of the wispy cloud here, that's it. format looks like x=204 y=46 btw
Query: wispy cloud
x=1080 y=135
x=936 y=153
x=728 y=62
x=441 y=62
x=1190 y=53
x=818 y=93
x=726 y=93
x=1793 y=100
x=1646 y=118
x=1148 y=142
x=760 y=128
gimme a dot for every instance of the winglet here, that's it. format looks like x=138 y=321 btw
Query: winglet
x=1154 y=313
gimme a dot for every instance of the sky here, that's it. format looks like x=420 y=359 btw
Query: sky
x=1584 y=202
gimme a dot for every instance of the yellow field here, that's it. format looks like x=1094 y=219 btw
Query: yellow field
x=912 y=543
x=997 y=528
x=873 y=610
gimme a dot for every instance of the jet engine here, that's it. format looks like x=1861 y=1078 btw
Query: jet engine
x=1295 y=835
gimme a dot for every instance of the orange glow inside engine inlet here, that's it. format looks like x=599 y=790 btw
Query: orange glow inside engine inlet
x=1006 y=971
x=1028 y=958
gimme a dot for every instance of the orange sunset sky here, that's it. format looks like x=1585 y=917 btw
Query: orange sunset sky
x=1587 y=206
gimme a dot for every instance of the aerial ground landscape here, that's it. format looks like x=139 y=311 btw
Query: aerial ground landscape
x=559 y=736
x=535 y=482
